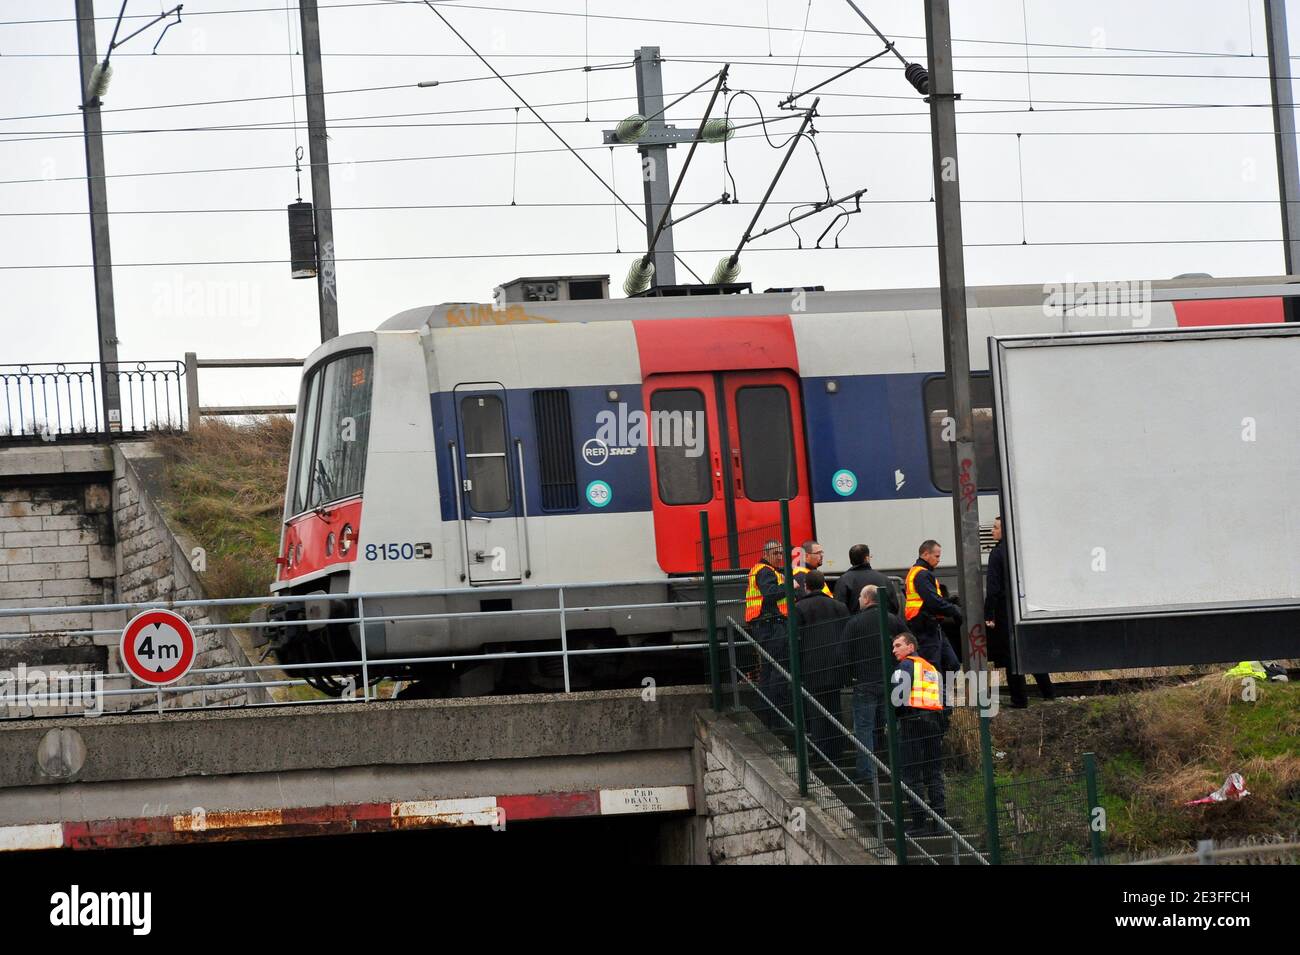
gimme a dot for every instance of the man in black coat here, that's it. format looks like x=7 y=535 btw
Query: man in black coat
x=997 y=618
x=823 y=662
x=859 y=574
x=866 y=669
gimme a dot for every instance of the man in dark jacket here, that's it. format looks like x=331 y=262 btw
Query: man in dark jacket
x=867 y=674
x=859 y=574
x=997 y=618
x=820 y=622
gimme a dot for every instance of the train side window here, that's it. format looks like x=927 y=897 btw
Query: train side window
x=766 y=443
x=554 y=423
x=306 y=443
x=683 y=476
x=338 y=467
x=935 y=394
x=483 y=419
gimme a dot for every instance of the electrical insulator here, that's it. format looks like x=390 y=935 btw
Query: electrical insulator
x=919 y=77
x=631 y=129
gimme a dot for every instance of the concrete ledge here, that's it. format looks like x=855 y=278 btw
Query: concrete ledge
x=34 y=805
x=820 y=842
x=331 y=736
x=56 y=459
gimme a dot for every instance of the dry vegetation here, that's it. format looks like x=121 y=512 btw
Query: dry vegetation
x=225 y=489
x=1159 y=749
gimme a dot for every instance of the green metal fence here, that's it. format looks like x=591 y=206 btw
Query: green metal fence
x=909 y=786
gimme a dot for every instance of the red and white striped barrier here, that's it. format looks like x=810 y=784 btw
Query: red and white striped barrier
x=199 y=825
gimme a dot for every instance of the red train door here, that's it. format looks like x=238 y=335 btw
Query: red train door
x=732 y=444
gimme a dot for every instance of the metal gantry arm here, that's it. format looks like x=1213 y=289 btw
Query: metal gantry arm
x=726 y=269
x=639 y=275
x=695 y=141
x=916 y=74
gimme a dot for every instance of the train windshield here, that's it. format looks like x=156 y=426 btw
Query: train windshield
x=334 y=431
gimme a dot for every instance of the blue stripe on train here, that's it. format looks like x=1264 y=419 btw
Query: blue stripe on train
x=873 y=426
x=627 y=476
x=877 y=427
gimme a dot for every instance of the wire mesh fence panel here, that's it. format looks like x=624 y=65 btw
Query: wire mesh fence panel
x=742 y=550
x=1044 y=821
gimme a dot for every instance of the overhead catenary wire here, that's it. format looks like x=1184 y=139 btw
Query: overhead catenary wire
x=444 y=206
x=278 y=126
x=482 y=7
x=359 y=89
x=530 y=152
x=551 y=253
x=856 y=95
x=550 y=128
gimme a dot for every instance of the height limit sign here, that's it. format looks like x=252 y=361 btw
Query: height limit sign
x=158 y=647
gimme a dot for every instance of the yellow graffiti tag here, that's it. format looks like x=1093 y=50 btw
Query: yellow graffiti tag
x=462 y=316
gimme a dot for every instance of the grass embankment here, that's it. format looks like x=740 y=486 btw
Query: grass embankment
x=225 y=489
x=1158 y=749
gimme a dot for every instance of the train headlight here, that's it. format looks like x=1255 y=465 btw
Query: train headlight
x=329 y=544
x=297 y=553
x=288 y=556
x=345 y=539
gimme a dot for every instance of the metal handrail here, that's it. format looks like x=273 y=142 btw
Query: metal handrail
x=197 y=411
x=193 y=682
x=957 y=837
x=51 y=399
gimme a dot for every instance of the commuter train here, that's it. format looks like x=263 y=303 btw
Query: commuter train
x=471 y=446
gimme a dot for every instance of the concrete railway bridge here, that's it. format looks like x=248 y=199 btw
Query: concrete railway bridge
x=82 y=536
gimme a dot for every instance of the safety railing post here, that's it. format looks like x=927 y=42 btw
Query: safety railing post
x=731 y=661
x=365 y=660
x=564 y=638
x=1090 y=779
x=891 y=730
x=710 y=611
x=994 y=847
x=792 y=635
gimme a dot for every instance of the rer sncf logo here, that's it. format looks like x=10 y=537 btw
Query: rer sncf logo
x=596 y=452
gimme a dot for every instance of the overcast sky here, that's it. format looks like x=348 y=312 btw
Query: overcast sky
x=1082 y=142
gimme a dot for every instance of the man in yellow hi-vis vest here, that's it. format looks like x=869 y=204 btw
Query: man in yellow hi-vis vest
x=765 y=618
x=923 y=605
x=917 y=695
